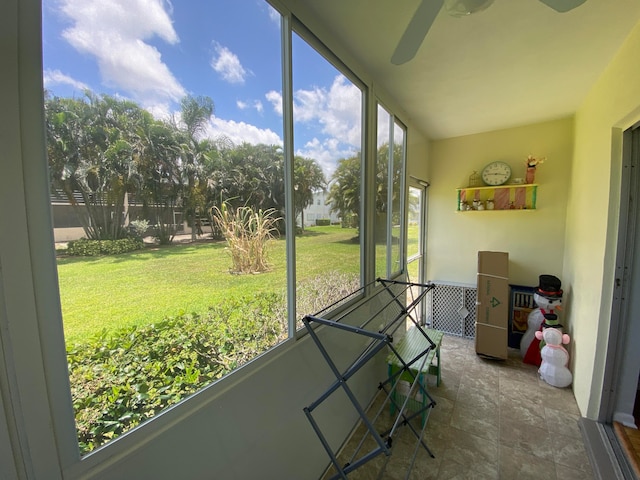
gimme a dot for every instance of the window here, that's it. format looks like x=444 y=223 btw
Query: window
x=162 y=151
x=389 y=194
x=328 y=134
x=165 y=153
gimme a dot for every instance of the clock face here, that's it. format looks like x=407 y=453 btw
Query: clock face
x=496 y=173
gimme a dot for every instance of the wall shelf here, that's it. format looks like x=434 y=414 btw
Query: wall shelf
x=505 y=197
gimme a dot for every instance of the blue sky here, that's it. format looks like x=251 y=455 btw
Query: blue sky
x=155 y=52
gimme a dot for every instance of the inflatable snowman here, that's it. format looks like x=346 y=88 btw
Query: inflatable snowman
x=548 y=298
x=555 y=358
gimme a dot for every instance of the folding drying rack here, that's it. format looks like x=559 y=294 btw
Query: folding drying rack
x=394 y=303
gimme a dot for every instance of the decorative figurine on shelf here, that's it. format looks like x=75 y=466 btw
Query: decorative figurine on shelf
x=532 y=163
x=555 y=358
x=490 y=205
x=548 y=298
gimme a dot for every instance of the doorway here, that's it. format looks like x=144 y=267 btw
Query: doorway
x=620 y=399
x=416 y=239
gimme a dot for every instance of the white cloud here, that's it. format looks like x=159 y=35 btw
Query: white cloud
x=114 y=32
x=337 y=111
x=343 y=117
x=228 y=65
x=274 y=15
x=257 y=105
x=326 y=152
x=239 y=132
x=275 y=99
x=56 y=77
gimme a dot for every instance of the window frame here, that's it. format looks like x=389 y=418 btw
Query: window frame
x=305 y=34
x=33 y=370
x=394 y=123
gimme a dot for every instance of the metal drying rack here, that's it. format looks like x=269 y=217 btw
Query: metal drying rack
x=398 y=302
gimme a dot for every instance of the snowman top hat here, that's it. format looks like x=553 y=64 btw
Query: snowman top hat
x=549 y=286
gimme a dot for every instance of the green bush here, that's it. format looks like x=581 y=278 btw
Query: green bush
x=120 y=380
x=139 y=227
x=94 y=248
x=316 y=294
x=323 y=222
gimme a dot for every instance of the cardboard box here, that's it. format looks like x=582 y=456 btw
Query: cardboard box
x=491 y=341
x=493 y=301
x=494 y=263
x=492 y=310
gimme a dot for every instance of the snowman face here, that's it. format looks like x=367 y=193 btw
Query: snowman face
x=552 y=336
x=547 y=303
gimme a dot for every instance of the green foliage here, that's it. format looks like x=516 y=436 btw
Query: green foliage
x=314 y=295
x=308 y=178
x=323 y=222
x=344 y=193
x=120 y=380
x=94 y=248
x=139 y=227
x=140 y=287
x=92 y=146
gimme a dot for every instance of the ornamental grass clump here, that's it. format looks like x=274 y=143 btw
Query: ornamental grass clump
x=247 y=233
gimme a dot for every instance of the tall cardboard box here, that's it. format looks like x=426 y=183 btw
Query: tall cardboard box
x=492 y=311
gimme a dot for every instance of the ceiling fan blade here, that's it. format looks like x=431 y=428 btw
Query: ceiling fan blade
x=416 y=31
x=563 y=6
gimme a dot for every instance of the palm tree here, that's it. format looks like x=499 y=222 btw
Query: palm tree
x=307 y=179
x=344 y=194
x=91 y=145
x=160 y=179
x=194 y=115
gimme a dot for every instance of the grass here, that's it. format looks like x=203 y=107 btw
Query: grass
x=140 y=288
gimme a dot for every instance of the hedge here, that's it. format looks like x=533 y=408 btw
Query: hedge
x=94 y=248
x=120 y=380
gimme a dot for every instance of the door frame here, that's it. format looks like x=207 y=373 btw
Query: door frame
x=625 y=283
x=421 y=257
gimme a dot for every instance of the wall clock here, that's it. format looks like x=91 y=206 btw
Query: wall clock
x=496 y=173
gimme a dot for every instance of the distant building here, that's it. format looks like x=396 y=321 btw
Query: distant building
x=319 y=210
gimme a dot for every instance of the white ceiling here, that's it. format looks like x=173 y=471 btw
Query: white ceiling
x=516 y=63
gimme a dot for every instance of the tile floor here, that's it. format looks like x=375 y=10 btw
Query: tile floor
x=493 y=420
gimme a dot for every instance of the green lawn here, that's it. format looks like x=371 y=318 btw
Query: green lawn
x=143 y=287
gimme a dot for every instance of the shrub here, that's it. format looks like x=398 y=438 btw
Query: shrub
x=93 y=248
x=139 y=228
x=247 y=233
x=120 y=380
x=323 y=222
x=318 y=293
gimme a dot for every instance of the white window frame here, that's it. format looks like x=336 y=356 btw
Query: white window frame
x=36 y=414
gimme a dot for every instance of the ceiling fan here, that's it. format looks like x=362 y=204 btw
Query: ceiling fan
x=428 y=10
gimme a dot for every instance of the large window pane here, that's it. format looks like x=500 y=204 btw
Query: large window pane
x=414 y=233
x=327 y=180
x=389 y=188
x=381 y=220
x=396 y=187
x=164 y=128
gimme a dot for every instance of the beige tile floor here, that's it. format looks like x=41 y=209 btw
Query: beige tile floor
x=493 y=420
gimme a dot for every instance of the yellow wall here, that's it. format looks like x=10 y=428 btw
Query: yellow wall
x=592 y=220
x=534 y=238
